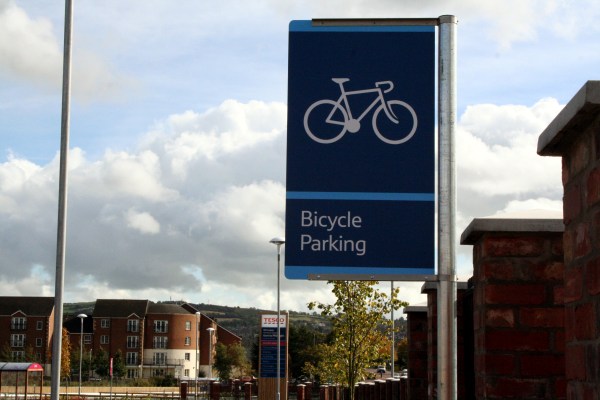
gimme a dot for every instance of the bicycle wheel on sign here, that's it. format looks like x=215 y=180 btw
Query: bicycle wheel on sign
x=398 y=127
x=325 y=121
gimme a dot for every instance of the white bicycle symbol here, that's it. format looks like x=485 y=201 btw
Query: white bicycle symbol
x=398 y=126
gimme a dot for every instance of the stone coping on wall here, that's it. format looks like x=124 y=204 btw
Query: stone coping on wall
x=415 y=308
x=432 y=285
x=542 y=221
x=566 y=126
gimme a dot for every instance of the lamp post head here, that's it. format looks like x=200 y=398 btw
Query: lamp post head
x=82 y=316
x=277 y=241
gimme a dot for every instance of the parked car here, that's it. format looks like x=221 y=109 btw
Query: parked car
x=381 y=369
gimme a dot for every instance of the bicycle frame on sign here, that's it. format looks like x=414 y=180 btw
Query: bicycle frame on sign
x=343 y=101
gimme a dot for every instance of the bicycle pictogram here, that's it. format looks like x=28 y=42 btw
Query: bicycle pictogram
x=326 y=121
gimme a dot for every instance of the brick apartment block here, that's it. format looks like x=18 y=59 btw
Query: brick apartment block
x=154 y=339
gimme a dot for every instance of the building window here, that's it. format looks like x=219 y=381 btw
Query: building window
x=160 y=342
x=188 y=325
x=132 y=373
x=133 y=325
x=159 y=359
x=18 y=323
x=87 y=339
x=18 y=355
x=158 y=372
x=39 y=325
x=161 y=326
x=133 y=342
x=38 y=342
x=105 y=323
x=17 y=340
x=131 y=358
x=188 y=340
x=187 y=356
x=104 y=339
x=186 y=373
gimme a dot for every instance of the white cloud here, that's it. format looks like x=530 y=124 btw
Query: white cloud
x=533 y=204
x=142 y=221
x=37 y=55
x=227 y=129
x=31 y=51
x=496 y=154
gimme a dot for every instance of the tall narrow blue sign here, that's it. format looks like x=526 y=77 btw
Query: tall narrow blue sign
x=360 y=195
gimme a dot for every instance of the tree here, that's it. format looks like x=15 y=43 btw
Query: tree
x=360 y=330
x=118 y=365
x=302 y=348
x=65 y=357
x=101 y=364
x=230 y=359
x=402 y=351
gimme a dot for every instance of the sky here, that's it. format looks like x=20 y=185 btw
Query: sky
x=178 y=136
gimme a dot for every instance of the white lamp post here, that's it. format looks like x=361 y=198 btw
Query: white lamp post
x=210 y=333
x=278 y=242
x=197 y=360
x=81 y=317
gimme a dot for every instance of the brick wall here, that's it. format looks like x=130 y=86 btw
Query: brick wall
x=416 y=318
x=430 y=289
x=575 y=135
x=518 y=314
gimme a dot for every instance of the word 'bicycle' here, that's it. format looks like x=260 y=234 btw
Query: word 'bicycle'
x=326 y=121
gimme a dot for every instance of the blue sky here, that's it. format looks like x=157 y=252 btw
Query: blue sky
x=178 y=135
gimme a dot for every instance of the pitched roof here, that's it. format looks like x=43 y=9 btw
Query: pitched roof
x=31 y=306
x=117 y=308
x=166 y=308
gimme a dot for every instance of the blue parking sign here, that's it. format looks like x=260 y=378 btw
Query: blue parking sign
x=360 y=190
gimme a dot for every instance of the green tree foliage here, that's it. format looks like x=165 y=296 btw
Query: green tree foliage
x=302 y=348
x=118 y=365
x=402 y=353
x=101 y=363
x=360 y=331
x=230 y=360
x=65 y=356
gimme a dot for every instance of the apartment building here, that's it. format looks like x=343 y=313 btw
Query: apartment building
x=154 y=339
x=26 y=328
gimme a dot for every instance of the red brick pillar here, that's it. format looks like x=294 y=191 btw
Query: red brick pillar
x=323 y=393
x=518 y=306
x=248 y=391
x=215 y=390
x=416 y=384
x=430 y=289
x=575 y=135
x=332 y=392
x=301 y=392
x=380 y=390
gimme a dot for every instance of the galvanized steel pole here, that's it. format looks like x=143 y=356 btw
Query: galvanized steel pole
x=62 y=206
x=446 y=296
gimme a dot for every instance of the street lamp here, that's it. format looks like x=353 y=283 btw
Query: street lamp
x=278 y=241
x=81 y=317
x=197 y=361
x=210 y=341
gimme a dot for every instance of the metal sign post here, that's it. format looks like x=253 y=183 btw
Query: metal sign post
x=446 y=296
